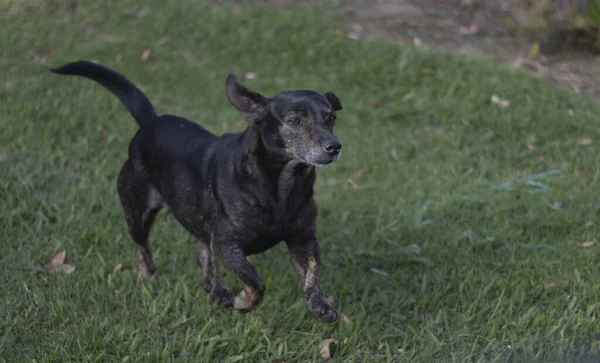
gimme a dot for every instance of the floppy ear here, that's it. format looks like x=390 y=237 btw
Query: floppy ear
x=251 y=105
x=334 y=101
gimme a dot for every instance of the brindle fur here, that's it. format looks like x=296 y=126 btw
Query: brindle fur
x=238 y=194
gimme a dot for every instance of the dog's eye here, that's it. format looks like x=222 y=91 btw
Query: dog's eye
x=294 y=121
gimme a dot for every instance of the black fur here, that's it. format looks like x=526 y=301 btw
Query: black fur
x=239 y=194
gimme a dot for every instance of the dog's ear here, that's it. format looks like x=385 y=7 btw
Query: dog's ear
x=251 y=105
x=334 y=101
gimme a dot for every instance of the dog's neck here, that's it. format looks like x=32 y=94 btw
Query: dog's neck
x=281 y=171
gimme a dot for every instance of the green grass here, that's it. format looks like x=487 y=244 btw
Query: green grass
x=466 y=262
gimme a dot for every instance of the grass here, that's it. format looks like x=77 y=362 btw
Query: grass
x=431 y=257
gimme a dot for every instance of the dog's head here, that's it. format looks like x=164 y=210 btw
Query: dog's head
x=298 y=124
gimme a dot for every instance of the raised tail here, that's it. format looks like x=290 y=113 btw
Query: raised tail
x=136 y=102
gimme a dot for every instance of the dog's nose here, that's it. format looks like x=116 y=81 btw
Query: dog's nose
x=332 y=147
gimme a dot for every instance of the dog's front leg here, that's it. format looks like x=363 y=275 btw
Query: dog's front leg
x=304 y=253
x=234 y=259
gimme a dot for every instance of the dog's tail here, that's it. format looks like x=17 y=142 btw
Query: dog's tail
x=136 y=102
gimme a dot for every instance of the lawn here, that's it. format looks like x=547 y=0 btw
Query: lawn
x=452 y=228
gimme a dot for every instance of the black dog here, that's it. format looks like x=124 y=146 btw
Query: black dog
x=239 y=194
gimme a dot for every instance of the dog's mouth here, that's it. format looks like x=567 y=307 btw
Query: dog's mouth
x=322 y=162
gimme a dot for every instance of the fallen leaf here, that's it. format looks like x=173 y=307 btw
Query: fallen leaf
x=57 y=264
x=499 y=101
x=237 y=9
x=586 y=244
x=265 y=330
x=98 y=127
x=577 y=173
x=357 y=174
x=345 y=320
x=280 y=360
x=330 y=300
x=530 y=147
x=118 y=267
x=472 y=30
x=585 y=141
x=239 y=123
x=250 y=75
x=395 y=229
x=346 y=340
x=118 y=58
x=373 y=103
x=146 y=54
x=116 y=292
x=58 y=259
x=549 y=285
x=162 y=41
x=354 y=185
x=42 y=52
x=325 y=348
x=382 y=356
x=418 y=41
x=428 y=70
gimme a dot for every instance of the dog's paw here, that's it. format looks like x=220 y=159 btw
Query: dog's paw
x=222 y=296
x=323 y=312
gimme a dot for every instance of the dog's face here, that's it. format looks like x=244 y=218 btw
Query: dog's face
x=300 y=123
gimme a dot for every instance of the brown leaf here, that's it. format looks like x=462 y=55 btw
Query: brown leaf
x=330 y=300
x=63 y=268
x=428 y=70
x=162 y=41
x=585 y=141
x=56 y=264
x=116 y=291
x=395 y=229
x=345 y=320
x=418 y=41
x=43 y=52
x=577 y=173
x=146 y=54
x=280 y=360
x=118 y=58
x=237 y=9
x=373 y=103
x=58 y=259
x=354 y=185
x=346 y=340
x=586 y=244
x=530 y=147
x=239 y=123
x=325 y=348
x=357 y=174
x=118 y=267
x=98 y=127
x=265 y=330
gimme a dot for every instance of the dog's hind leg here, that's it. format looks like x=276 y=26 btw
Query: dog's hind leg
x=141 y=202
x=213 y=284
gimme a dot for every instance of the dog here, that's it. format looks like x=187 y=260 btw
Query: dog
x=239 y=194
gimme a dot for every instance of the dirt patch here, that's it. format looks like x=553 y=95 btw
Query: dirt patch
x=480 y=27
